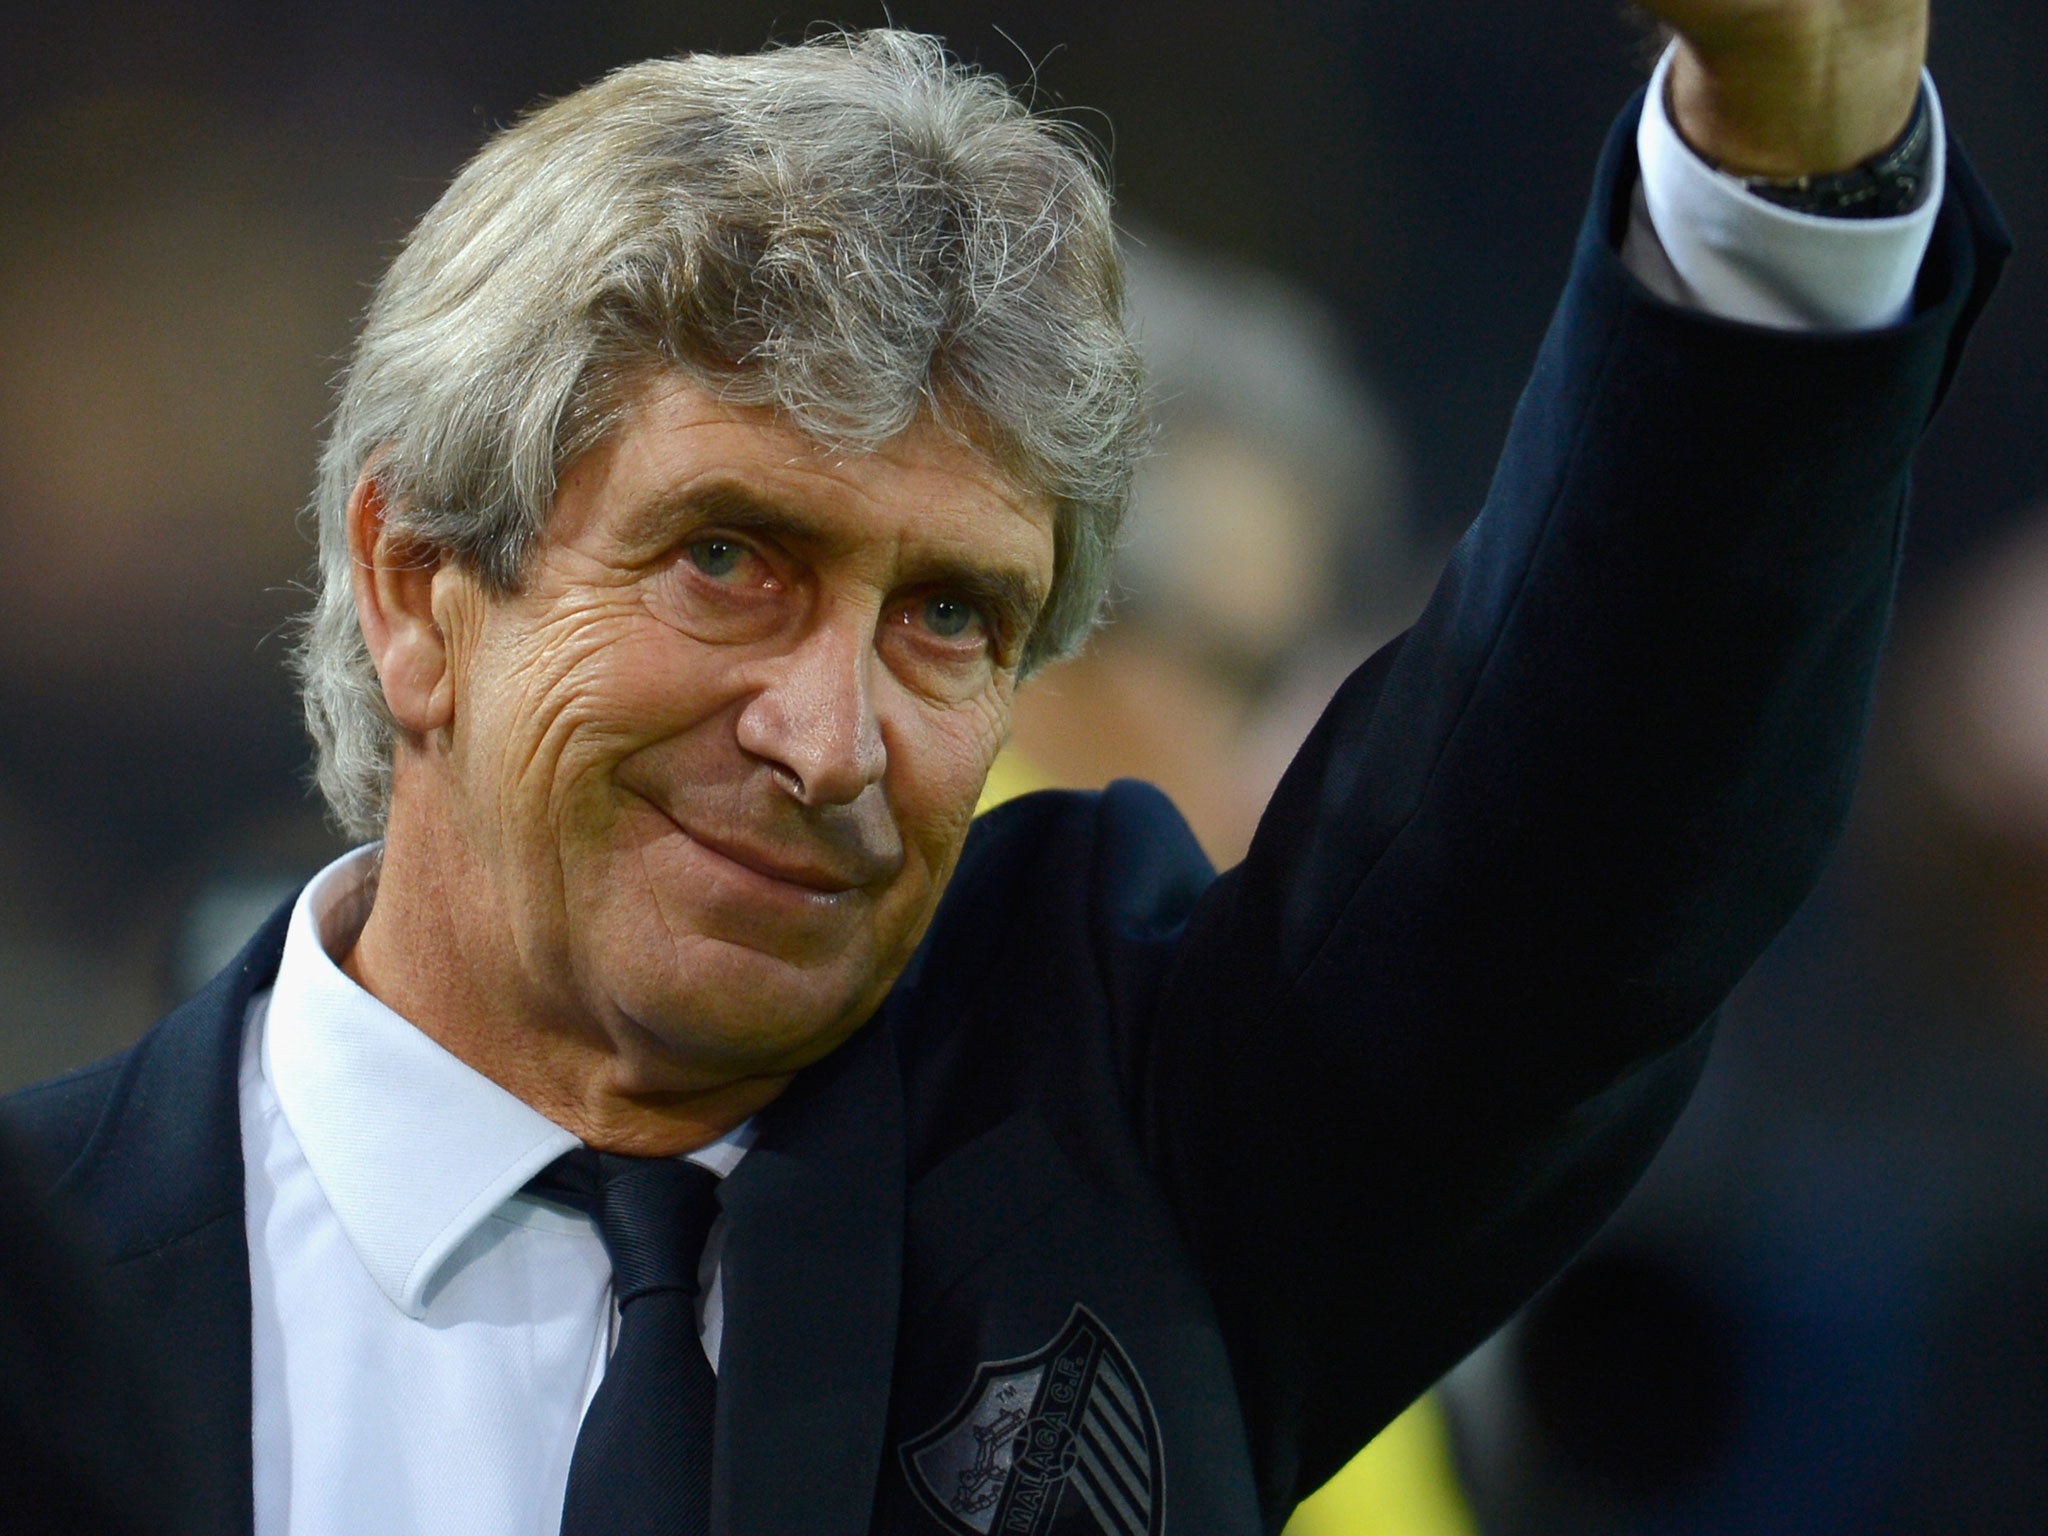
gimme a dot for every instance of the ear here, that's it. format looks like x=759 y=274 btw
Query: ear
x=394 y=591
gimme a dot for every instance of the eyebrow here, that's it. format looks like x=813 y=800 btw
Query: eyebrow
x=722 y=501
x=1013 y=597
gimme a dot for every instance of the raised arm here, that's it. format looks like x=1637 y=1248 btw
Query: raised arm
x=1422 y=1041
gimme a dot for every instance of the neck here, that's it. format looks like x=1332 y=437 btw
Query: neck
x=437 y=950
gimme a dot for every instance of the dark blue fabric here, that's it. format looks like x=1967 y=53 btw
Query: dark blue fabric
x=87 y=1443
x=1302 y=1135
x=655 y=1214
x=642 y=1465
x=146 y=1151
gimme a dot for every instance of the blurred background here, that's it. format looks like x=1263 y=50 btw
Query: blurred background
x=1826 y=1311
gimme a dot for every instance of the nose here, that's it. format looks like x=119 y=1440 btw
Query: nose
x=814 y=721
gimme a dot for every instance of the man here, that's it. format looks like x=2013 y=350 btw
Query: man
x=717 y=455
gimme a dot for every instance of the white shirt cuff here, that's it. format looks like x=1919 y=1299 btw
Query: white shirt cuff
x=1698 y=237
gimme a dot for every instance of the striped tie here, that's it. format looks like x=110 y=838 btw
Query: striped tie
x=642 y=1465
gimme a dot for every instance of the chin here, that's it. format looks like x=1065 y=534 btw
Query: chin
x=729 y=1009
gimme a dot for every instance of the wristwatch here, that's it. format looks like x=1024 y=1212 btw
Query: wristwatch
x=1888 y=183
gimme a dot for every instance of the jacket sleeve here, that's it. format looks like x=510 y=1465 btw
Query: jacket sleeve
x=1416 y=1047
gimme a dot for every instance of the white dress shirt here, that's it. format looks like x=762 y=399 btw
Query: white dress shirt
x=426 y=1337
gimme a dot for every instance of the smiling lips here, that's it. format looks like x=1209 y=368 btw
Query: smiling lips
x=811 y=876
x=852 y=869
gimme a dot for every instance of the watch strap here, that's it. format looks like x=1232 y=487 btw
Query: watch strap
x=1889 y=183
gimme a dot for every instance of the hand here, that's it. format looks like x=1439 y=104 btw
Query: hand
x=1793 y=87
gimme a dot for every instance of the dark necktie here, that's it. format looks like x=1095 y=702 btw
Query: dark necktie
x=642 y=1465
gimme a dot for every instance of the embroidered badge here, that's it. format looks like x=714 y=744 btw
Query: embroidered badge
x=1060 y=1442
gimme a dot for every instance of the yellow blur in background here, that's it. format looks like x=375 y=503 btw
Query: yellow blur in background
x=1403 y=1484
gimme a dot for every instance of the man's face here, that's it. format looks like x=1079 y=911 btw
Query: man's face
x=718 y=757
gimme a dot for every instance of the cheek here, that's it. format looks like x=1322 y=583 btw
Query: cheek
x=555 y=706
x=944 y=756
x=645 y=683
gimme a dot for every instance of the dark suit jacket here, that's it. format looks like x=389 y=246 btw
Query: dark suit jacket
x=1240 y=1165
x=86 y=1440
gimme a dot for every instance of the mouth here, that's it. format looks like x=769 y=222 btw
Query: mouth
x=815 y=878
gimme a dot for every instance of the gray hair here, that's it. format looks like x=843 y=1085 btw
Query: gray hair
x=857 y=232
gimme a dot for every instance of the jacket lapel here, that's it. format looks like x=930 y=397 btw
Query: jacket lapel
x=813 y=1265
x=161 y=1179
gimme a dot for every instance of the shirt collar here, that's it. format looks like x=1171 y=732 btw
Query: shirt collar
x=412 y=1147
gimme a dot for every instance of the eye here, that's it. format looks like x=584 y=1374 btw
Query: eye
x=947 y=642
x=951 y=617
x=720 y=586
x=719 y=558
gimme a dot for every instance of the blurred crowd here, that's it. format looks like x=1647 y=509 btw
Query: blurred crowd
x=1827 y=1308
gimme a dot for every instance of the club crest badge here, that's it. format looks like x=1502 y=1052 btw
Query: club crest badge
x=1060 y=1442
